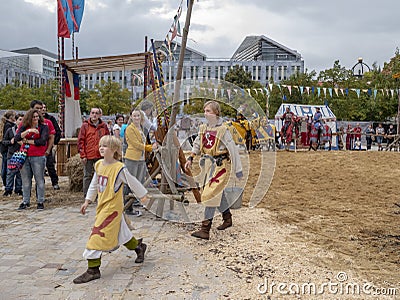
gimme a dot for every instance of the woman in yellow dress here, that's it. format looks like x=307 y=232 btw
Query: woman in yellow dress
x=135 y=153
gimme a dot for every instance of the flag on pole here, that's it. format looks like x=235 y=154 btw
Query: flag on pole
x=72 y=107
x=69 y=14
x=63 y=15
x=77 y=6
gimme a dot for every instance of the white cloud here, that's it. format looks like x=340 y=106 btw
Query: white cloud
x=322 y=31
x=48 y=4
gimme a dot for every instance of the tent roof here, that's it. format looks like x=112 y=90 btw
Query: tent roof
x=303 y=111
x=107 y=63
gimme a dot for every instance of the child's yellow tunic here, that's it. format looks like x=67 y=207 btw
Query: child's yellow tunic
x=109 y=209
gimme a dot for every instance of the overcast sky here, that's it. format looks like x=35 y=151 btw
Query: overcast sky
x=322 y=31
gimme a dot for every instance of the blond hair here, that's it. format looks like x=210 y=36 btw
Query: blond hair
x=214 y=105
x=141 y=116
x=113 y=143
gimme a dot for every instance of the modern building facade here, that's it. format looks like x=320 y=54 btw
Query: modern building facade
x=33 y=66
x=265 y=59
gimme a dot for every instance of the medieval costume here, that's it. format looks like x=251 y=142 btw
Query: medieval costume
x=218 y=151
x=110 y=229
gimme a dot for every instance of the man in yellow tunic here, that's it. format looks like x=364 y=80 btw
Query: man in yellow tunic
x=110 y=229
x=218 y=151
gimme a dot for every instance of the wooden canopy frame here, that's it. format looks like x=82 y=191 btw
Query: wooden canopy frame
x=101 y=64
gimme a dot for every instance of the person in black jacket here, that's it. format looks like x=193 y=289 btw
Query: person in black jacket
x=13 y=176
x=6 y=122
x=50 y=157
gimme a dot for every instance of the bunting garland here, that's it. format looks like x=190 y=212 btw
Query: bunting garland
x=173 y=33
x=228 y=93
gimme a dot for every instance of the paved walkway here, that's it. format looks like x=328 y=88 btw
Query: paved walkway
x=41 y=253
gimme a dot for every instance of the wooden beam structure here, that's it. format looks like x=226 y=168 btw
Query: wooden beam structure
x=92 y=65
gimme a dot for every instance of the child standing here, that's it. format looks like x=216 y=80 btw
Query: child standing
x=13 y=175
x=110 y=229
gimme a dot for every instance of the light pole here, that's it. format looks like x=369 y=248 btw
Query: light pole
x=360 y=68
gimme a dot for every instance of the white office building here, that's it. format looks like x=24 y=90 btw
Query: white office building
x=32 y=66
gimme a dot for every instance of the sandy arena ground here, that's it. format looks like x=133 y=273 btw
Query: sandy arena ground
x=327 y=216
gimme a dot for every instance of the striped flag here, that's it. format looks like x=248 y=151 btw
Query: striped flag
x=69 y=15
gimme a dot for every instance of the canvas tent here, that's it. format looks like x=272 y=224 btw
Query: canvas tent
x=83 y=66
x=304 y=111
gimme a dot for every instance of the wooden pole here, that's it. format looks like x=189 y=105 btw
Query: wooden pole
x=172 y=139
x=62 y=91
x=146 y=58
x=180 y=64
x=398 y=112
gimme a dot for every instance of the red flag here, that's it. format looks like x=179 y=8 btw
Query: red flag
x=76 y=86
x=63 y=30
x=67 y=86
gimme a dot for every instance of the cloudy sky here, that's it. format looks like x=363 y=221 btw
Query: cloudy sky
x=322 y=31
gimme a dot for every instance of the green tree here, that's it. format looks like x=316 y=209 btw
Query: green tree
x=110 y=98
x=336 y=75
x=238 y=76
x=13 y=96
x=49 y=94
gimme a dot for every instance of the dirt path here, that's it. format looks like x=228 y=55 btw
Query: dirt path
x=325 y=213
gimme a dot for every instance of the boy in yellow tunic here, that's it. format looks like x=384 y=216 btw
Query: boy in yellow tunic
x=110 y=229
x=218 y=150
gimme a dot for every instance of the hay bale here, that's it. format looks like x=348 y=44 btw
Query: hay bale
x=75 y=173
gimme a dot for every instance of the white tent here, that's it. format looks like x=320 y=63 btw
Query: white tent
x=304 y=111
